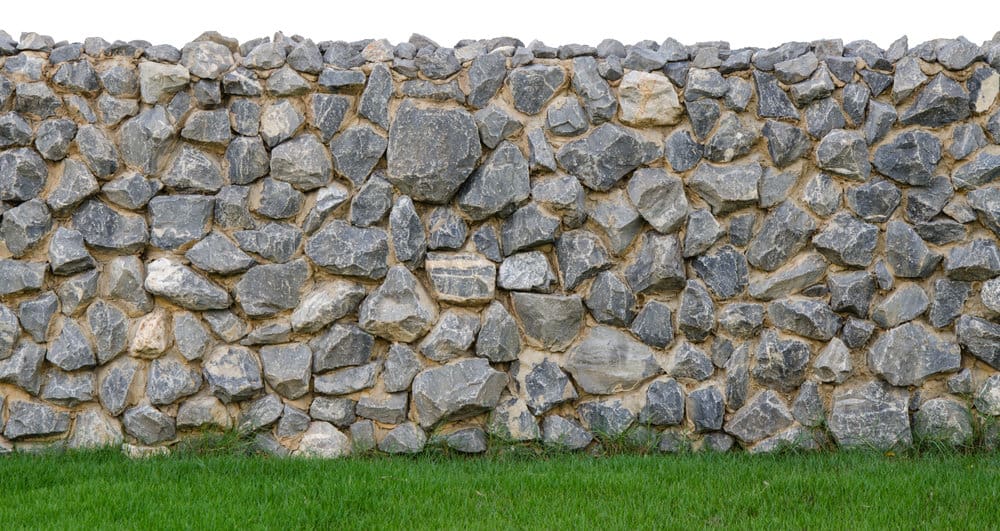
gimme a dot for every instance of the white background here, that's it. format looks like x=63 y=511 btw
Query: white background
x=743 y=23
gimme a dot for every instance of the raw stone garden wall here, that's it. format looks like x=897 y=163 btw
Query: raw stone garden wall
x=346 y=246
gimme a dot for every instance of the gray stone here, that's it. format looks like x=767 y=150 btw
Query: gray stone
x=741 y=229
x=824 y=116
x=834 y=362
x=280 y=120
x=71 y=350
x=966 y=138
x=36 y=99
x=940 y=102
x=565 y=434
x=406 y=438
x=922 y=204
x=705 y=408
x=564 y=195
x=241 y=82
x=726 y=188
x=466 y=441
x=486 y=76
x=910 y=353
x=287 y=82
x=784 y=233
x=248 y=159
x=807 y=408
x=874 y=201
x=356 y=151
x=206 y=59
x=610 y=300
x=456 y=390
x=131 y=191
x=653 y=324
x=512 y=421
x=339 y=411
x=218 y=254
x=401 y=365
x=856 y=333
x=323 y=441
x=387 y=409
x=437 y=62
x=775 y=186
x=772 y=102
x=447 y=229
x=325 y=303
x=275 y=242
x=906 y=253
x=910 y=157
x=68 y=388
x=659 y=198
x=371 y=202
x=529 y=271
x=647 y=99
x=208 y=127
x=948 y=299
x=804 y=317
x=822 y=195
x=851 y=292
x=194 y=170
x=14 y=130
x=498 y=186
x=847 y=241
x=179 y=219
x=431 y=167
x=961 y=383
x=109 y=326
x=780 y=363
x=287 y=368
x=544 y=384
x=461 y=278
x=35 y=315
x=182 y=286
x=268 y=289
x=763 y=416
x=495 y=125
x=943 y=420
x=732 y=139
x=227 y=325
x=149 y=425
x=99 y=153
x=607 y=361
x=398 y=310
x=605 y=419
x=870 y=415
x=701 y=232
x=984 y=202
x=23 y=367
x=977 y=260
x=533 y=86
x=977 y=172
x=658 y=265
x=452 y=336
x=724 y=272
x=301 y=161
x=689 y=362
x=845 y=153
x=741 y=319
x=171 y=379
x=979 y=338
x=20 y=277
x=369 y=250
x=53 y=137
x=703 y=115
x=25 y=225
x=293 y=422
x=619 y=220
x=409 y=240
x=682 y=151
x=233 y=373
x=598 y=98
x=565 y=117
x=605 y=155
x=785 y=142
x=75 y=184
x=905 y=303
x=145 y=138
x=30 y=419
x=527 y=227
x=244 y=116
x=987 y=400
x=260 y=413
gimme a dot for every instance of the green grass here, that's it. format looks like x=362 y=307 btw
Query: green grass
x=195 y=490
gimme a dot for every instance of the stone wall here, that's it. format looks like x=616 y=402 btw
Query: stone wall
x=346 y=246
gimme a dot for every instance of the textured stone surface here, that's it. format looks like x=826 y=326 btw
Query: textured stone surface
x=498 y=237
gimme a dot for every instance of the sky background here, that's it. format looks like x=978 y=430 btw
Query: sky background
x=762 y=23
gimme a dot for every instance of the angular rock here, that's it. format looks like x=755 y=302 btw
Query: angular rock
x=648 y=99
x=302 y=161
x=29 y=419
x=398 y=310
x=979 y=338
x=659 y=198
x=550 y=321
x=909 y=354
x=727 y=188
x=529 y=271
x=179 y=219
x=605 y=155
x=943 y=421
x=763 y=416
x=870 y=415
x=431 y=151
x=182 y=286
x=105 y=228
x=619 y=220
x=705 y=408
x=724 y=272
x=910 y=158
x=607 y=361
x=368 y=247
x=907 y=253
x=456 y=390
x=233 y=373
x=496 y=187
x=533 y=86
x=845 y=153
x=939 y=103
x=780 y=363
x=565 y=434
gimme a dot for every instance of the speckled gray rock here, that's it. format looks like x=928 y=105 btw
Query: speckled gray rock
x=148 y=424
x=369 y=250
x=496 y=187
x=726 y=188
x=943 y=420
x=940 y=102
x=979 y=337
x=617 y=218
x=907 y=254
x=179 y=219
x=659 y=198
x=658 y=265
x=456 y=390
x=784 y=233
x=398 y=310
x=606 y=155
x=233 y=373
x=976 y=260
x=909 y=158
x=533 y=86
x=845 y=153
x=588 y=361
x=780 y=363
x=28 y=419
x=724 y=271
x=870 y=415
x=356 y=151
x=184 y=287
x=301 y=161
x=431 y=167
x=909 y=354
x=763 y=416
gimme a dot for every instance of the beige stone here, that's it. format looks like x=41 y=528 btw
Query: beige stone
x=648 y=99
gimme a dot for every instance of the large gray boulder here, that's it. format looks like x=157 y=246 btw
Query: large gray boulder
x=870 y=415
x=608 y=361
x=456 y=390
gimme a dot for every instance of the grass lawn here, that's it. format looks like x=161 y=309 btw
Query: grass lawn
x=823 y=490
